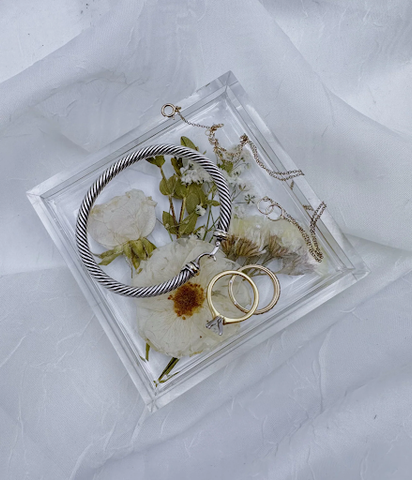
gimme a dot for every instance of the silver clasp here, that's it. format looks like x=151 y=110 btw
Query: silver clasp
x=211 y=254
x=194 y=265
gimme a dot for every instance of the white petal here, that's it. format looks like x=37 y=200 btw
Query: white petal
x=123 y=218
x=157 y=321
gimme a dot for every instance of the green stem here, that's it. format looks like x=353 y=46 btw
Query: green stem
x=182 y=210
x=172 y=211
x=168 y=368
x=172 y=208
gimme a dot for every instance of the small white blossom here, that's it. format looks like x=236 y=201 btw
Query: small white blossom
x=193 y=173
x=201 y=232
x=250 y=198
x=199 y=210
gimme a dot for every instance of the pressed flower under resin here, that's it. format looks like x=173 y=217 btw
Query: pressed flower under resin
x=122 y=224
x=175 y=323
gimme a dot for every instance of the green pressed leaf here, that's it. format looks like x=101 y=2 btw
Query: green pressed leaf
x=108 y=253
x=192 y=201
x=169 y=368
x=127 y=250
x=169 y=223
x=158 y=161
x=108 y=258
x=188 y=225
x=177 y=164
x=226 y=165
x=164 y=190
x=181 y=190
x=136 y=262
x=186 y=142
x=148 y=246
x=198 y=191
x=214 y=203
x=167 y=186
x=138 y=250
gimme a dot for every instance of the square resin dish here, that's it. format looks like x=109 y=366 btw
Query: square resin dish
x=222 y=101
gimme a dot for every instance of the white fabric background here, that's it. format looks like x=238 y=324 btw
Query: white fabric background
x=329 y=398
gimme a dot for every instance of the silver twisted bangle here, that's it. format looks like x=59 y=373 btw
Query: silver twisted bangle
x=189 y=270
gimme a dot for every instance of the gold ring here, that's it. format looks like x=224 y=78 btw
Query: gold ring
x=276 y=289
x=248 y=313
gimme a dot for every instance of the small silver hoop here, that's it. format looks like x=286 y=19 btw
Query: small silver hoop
x=269 y=209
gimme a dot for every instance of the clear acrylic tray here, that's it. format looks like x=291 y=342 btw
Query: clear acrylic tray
x=222 y=101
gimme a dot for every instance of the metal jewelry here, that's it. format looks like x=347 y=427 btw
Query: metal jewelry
x=191 y=268
x=276 y=289
x=169 y=110
x=219 y=319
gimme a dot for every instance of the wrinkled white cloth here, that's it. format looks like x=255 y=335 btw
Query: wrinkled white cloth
x=329 y=397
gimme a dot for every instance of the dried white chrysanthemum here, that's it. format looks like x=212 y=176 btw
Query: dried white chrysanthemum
x=175 y=323
x=127 y=217
x=247 y=237
x=285 y=241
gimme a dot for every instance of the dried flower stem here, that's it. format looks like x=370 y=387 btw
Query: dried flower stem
x=172 y=208
x=168 y=368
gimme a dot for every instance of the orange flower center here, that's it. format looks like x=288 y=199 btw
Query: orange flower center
x=188 y=299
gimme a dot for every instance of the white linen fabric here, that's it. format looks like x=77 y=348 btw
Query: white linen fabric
x=329 y=397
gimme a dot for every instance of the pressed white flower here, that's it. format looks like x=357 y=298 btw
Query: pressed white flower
x=246 y=237
x=282 y=237
x=201 y=232
x=239 y=211
x=299 y=264
x=175 y=323
x=124 y=218
x=250 y=198
x=200 y=210
x=284 y=241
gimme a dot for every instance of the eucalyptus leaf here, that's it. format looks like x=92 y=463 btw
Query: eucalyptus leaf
x=198 y=191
